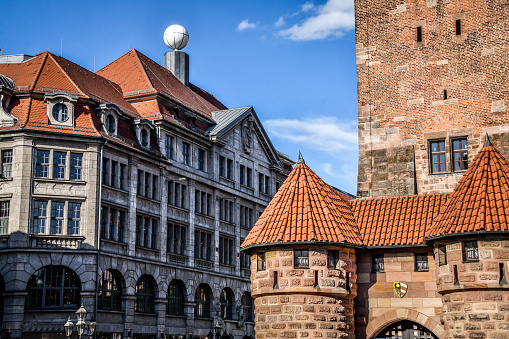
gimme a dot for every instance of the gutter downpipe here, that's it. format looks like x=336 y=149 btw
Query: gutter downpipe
x=98 y=231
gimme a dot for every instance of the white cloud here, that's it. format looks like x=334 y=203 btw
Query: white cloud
x=307 y=6
x=331 y=20
x=245 y=24
x=326 y=134
x=280 y=22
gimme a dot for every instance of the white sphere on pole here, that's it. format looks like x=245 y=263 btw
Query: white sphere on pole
x=176 y=37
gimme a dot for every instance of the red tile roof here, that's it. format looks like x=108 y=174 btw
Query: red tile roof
x=137 y=74
x=480 y=201
x=396 y=220
x=305 y=209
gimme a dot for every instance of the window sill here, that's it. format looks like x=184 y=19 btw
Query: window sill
x=227 y=222
x=114 y=242
x=470 y=261
x=247 y=187
x=227 y=265
x=447 y=173
x=145 y=313
x=266 y=195
x=227 y=179
x=138 y=247
x=422 y=270
x=148 y=199
x=205 y=216
x=65 y=181
x=5 y=179
x=179 y=208
x=176 y=316
x=111 y=311
x=115 y=188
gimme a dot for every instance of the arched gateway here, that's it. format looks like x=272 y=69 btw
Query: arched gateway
x=405 y=330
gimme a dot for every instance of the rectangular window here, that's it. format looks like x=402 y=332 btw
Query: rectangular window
x=113 y=223
x=7 y=163
x=155 y=184
x=169 y=147
x=245 y=259
x=146 y=232
x=106 y=171
x=177 y=194
x=242 y=170
x=222 y=166
x=148 y=182
x=122 y=176
x=378 y=263
x=74 y=217
x=332 y=258
x=260 y=262
x=437 y=156
x=470 y=251
x=114 y=174
x=59 y=161
x=202 y=245
x=458 y=27
x=267 y=185
x=226 y=210
x=4 y=216
x=249 y=177
x=176 y=239
x=229 y=169
x=246 y=216
x=263 y=183
x=419 y=33
x=57 y=217
x=42 y=164
x=226 y=251
x=185 y=153
x=76 y=166
x=40 y=213
x=421 y=262
x=201 y=159
x=301 y=258
x=141 y=176
x=442 y=255
x=460 y=154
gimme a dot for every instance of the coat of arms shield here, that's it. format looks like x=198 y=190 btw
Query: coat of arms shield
x=400 y=288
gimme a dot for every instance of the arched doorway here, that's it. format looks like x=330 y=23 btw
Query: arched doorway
x=405 y=330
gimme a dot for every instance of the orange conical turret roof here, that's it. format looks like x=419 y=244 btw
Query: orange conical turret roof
x=305 y=209
x=480 y=201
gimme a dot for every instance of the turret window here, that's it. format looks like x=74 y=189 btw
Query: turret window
x=378 y=263
x=260 y=262
x=301 y=258
x=421 y=262
x=470 y=251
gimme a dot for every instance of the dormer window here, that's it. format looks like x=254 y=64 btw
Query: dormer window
x=111 y=124
x=144 y=137
x=60 y=109
x=60 y=112
x=143 y=127
x=110 y=115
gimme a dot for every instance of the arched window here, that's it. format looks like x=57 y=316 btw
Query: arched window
x=202 y=300
x=175 y=298
x=144 y=137
x=145 y=295
x=53 y=286
x=247 y=306
x=406 y=329
x=226 y=301
x=110 y=291
x=111 y=124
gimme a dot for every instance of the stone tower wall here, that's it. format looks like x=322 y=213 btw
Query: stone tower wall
x=476 y=302
x=401 y=85
x=301 y=306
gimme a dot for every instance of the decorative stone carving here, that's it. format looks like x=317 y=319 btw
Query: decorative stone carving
x=247 y=134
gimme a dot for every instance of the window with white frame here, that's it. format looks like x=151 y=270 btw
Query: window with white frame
x=56 y=163
x=4 y=216
x=113 y=223
x=64 y=217
x=7 y=163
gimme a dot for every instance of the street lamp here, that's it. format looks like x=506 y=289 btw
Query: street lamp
x=81 y=324
x=217 y=330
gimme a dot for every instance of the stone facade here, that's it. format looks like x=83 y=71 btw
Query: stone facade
x=413 y=92
x=312 y=302
x=173 y=210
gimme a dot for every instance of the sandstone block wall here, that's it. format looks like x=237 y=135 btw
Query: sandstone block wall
x=312 y=302
x=476 y=301
x=377 y=304
x=401 y=83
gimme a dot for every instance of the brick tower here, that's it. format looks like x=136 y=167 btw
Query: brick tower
x=471 y=249
x=430 y=83
x=303 y=269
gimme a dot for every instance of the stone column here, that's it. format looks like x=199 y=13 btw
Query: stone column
x=163 y=228
x=190 y=236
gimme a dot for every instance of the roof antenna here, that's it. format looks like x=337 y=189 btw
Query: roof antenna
x=487 y=141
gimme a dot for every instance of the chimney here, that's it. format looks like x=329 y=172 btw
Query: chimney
x=177 y=62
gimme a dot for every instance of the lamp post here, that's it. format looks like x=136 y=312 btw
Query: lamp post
x=82 y=327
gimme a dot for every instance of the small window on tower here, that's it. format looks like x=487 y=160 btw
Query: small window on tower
x=470 y=251
x=419 y=33
x=458 y=27
x=260 y=262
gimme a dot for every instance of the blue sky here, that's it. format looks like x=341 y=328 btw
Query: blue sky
x=293 y=61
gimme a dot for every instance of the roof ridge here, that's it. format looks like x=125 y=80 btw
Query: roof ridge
x=67 y=75
x=36 y=78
